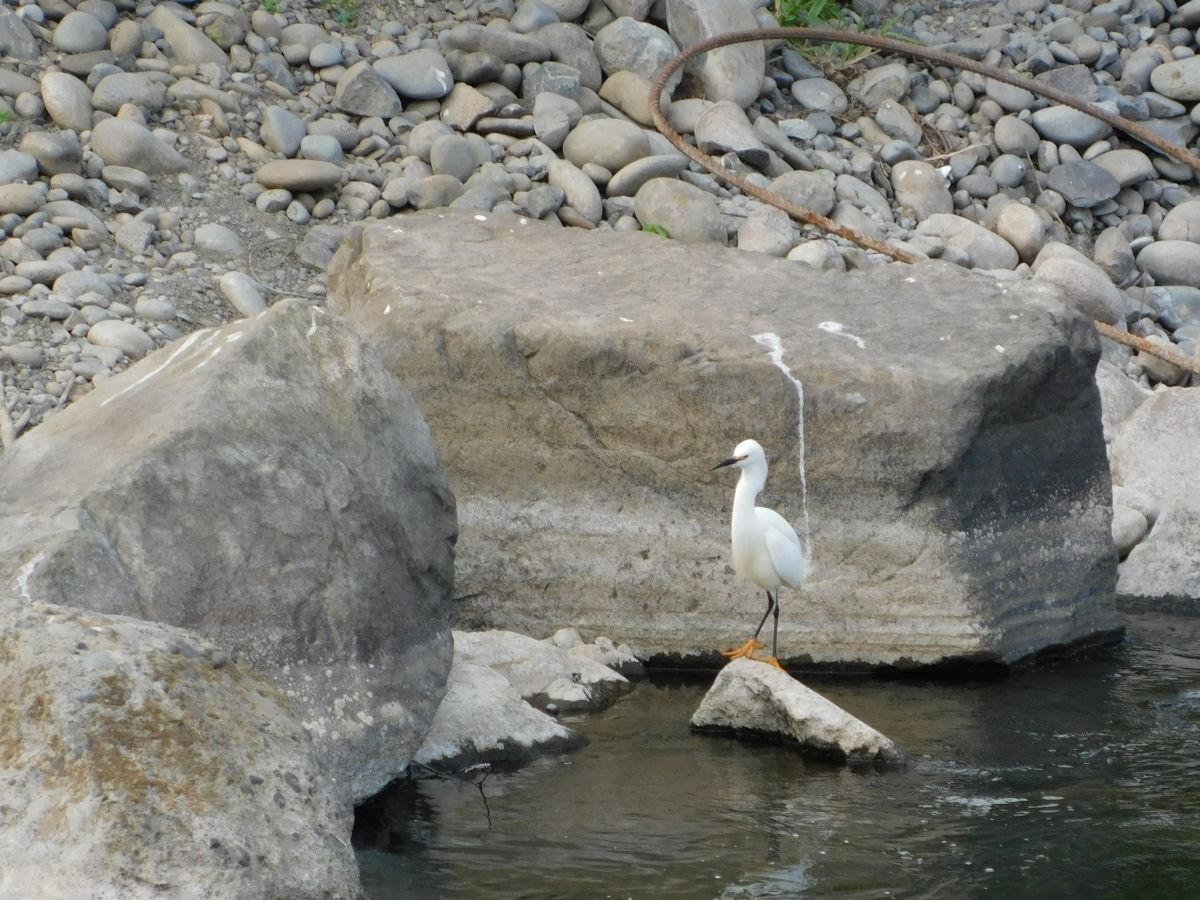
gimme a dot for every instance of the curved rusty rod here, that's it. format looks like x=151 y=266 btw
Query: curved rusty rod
x=811 y=217
x=833 y=36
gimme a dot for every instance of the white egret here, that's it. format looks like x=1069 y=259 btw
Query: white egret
x=766 y=549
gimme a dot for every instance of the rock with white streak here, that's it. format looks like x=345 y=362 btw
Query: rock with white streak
x=757 y=700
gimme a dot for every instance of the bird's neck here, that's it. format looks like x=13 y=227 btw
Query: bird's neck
x=747 y=490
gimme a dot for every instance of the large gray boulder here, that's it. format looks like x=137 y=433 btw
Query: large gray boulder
x=958 y=501
x=139 y=761
x=269 y=485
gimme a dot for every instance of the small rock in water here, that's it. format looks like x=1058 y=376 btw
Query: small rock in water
x=749 y=697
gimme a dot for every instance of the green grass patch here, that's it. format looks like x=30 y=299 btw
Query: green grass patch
x=274 y=7
x=655 y=229
x=6 y=116
x=341 y=11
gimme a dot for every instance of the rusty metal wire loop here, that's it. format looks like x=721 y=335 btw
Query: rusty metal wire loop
x=940 y=57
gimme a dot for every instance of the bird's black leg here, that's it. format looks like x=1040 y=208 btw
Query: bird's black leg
x=775 y=638
x=770 y=606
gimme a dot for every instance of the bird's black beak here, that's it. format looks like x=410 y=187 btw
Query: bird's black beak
x=728 y=462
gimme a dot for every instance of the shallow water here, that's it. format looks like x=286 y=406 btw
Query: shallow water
x=1077 y=779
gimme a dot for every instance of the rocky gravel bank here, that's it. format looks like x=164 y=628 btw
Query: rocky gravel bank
x=168 y=166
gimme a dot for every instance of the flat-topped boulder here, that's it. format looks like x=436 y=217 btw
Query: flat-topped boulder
x=581 y=388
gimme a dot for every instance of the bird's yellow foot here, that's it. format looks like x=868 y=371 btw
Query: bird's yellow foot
x=747 y=649
x=771 y=661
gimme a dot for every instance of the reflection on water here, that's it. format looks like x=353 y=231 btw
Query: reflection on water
x=1080 y=779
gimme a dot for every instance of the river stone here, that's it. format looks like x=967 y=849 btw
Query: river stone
x=630 y=93
x=1022 y=227
x=327 y=564
x=421 y=74
x=984 y=249
x=570 y=44
x=1082 y=282
x=464 y=106
x=243 y=292
x=637 y=46
x=734 y=73
x=124 y=336
x=217 y=241
x=135 y=236
x=282 y=130
x=1128 y=527
x=299 y=175
x=581 y=192
x=991 y=486
x=723 y=128
x=1016 y=136
x=434 y=191
x=1156 y=453
x=18 y=166
x=1114 y=256
x=896 y=122
x=88 y=714
x=1010 y=97
x=1171 y=262
x=346 y=134
x=1176 y=306
x=687 y=213
x=609 y=143
x=768 y=231
x=15 y=37
x=807 y=189
x=78 y=32
x=820 y=94
x=482 y=719
x=56 y=154
x=1120 y=396
x=22 y=199
x=920 y=187
x=124 y=142
x=454 y=154
x=508 y=45
x=539 y=671
x=1178 y=80
x=1182 y=223
x=189 y=46
x=322 y=148
x=1083 y=184
x=532 y=15
x=1128 y=167
x=1065 y=125
x=114 y=91
x=68 y=101
x=627 y=181
x=125 y=38
x=887 y=82
x=362 y=92
x=756 y=700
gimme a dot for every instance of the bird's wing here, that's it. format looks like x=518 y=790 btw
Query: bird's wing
x=783 y=547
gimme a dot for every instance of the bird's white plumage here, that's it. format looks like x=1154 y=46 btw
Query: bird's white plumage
x=766 y=549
